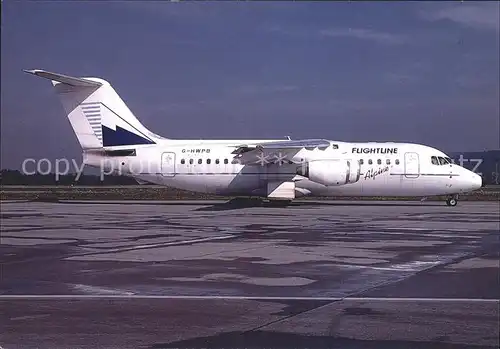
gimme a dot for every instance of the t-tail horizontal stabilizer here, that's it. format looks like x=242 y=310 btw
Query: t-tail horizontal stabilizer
x=65 y=79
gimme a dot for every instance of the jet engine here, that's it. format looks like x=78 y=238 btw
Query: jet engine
x=331 y=172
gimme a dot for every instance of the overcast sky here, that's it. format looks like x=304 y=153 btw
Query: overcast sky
x=404 y=71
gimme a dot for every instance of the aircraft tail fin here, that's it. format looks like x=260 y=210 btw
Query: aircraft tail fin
x=99 y=117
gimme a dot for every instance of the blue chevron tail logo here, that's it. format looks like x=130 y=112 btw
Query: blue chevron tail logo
x=112 y=138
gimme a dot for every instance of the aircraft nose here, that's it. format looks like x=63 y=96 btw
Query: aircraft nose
x=477 y=181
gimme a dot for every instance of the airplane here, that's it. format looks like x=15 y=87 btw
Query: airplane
x=115 y=141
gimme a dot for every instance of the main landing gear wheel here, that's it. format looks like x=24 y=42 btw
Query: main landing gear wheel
x=451 y=202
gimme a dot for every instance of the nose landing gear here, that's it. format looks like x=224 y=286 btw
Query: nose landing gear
x=452 y=200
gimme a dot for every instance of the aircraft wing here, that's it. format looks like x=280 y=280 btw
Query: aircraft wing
x=275 y=152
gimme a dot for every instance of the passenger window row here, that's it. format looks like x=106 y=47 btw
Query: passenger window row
x=200 y=161
x=379 y=161
x=440 y=160
x=226 y=161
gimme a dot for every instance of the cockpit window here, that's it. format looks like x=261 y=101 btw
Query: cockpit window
x=440 y=160
x=444 y=161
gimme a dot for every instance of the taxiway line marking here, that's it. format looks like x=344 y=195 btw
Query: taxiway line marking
x=332 y=299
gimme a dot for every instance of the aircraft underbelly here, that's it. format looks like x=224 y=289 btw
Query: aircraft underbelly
x=383 y=185
x=214 y=183
x=386 y=185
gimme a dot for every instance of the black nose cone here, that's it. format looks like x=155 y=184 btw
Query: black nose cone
x=483 y=182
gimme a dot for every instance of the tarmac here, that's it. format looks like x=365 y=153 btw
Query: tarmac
x=212 y=274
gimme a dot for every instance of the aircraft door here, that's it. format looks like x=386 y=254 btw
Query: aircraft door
x=168 y=164
x=412 y=165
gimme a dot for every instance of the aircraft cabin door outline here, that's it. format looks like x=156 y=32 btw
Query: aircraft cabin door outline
x=168 y=164
x=412 y=165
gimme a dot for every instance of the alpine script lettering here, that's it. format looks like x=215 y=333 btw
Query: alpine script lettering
x=372 y=173
x=375 y=150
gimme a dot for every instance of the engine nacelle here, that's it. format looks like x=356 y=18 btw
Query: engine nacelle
x=331 y=172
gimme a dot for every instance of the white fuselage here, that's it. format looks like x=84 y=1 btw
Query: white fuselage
x=210 y=167
x=115 y=141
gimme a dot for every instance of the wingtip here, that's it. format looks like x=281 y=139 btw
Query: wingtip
x=32 y=71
